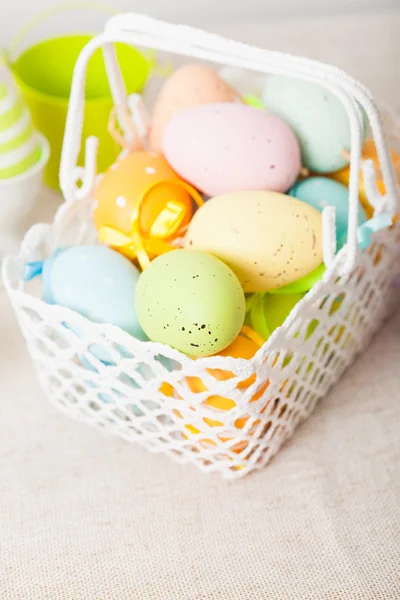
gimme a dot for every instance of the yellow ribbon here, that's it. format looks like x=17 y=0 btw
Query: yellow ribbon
x=169 y=220
x=138 y=245
x=134 y=246
x=252 y=335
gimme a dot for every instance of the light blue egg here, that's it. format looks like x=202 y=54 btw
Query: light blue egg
x=321 y=192
x=367 y=229
x=95 y=281
x=317 y=117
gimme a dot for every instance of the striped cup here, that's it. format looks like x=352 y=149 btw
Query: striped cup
x=20 y=147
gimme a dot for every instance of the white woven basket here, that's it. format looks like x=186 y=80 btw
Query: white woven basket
x=141 y=391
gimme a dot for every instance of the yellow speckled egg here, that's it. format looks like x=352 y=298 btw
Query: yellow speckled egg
x=189 y=86
x=267 y=238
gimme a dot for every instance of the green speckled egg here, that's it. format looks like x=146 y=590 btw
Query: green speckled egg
x=317 y=117
x=190 y=300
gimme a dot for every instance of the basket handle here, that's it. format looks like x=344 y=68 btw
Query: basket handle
x=144 y=31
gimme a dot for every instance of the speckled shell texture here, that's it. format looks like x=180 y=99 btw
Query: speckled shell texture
x=317 y=117
x=268 y=239
x=191 y=301
x=222 y=148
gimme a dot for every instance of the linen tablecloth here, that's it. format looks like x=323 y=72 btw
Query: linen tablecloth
x=84 y=516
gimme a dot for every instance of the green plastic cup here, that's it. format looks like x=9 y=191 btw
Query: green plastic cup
x=44 y=74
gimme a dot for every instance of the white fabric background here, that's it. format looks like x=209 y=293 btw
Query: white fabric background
x=201 y=13
x=87 y=517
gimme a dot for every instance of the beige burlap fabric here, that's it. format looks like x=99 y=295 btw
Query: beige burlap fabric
x=88 y=517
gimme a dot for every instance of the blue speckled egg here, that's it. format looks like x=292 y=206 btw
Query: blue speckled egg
x=320 y=192
x=317 y=117
x=95 y=281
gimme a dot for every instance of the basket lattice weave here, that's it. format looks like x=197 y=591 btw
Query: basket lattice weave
x=149 y=393
x=271 y=394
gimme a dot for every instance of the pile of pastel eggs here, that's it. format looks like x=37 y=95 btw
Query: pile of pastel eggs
x=212 y=225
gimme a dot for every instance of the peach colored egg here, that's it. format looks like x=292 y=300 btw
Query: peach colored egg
x=221 y=148
x=188 y=86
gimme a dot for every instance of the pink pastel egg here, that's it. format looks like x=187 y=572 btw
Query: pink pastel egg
x=226 y=147
x=190 y=85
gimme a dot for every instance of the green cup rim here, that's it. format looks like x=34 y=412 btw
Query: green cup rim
x=50 y=98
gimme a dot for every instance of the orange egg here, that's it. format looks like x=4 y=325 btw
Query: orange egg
x=142 y=194
x=368 y=153
x=242 y=347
